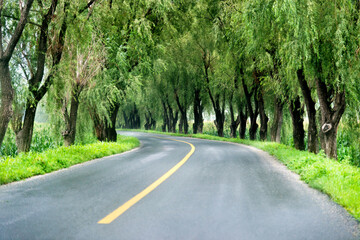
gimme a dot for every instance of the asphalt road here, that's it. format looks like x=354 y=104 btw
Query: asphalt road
x=223 y=191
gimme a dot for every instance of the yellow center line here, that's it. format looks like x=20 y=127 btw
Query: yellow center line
x=115 y=214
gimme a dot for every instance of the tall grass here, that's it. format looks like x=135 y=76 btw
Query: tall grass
x=26 y=165
x=43 y=139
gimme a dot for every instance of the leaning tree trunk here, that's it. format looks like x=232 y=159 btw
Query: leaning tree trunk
x=331 y=113
x=297 y=113
x=313 y=145
x=7 y=95
x=278 y=120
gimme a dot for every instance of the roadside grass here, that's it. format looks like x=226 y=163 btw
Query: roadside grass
x=26 y=165
x=339 y=180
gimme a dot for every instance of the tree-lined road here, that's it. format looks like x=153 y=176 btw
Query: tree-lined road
x=223 y=191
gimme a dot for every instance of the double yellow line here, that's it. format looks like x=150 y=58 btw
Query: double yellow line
x=115 y=214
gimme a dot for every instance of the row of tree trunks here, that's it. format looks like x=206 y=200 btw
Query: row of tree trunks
x=170 y=117
x=150 y=122
x=132 y=118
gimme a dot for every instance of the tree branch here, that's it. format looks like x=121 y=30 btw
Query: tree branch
x=1 y=35
x=18 y=19
x=18 y=30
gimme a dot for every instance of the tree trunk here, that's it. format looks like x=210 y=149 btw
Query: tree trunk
x=173 y=118
x=110 y=128
x=105 y=130
x=181 y=125
x=219 y=123
x=234 y=122
x=277 y=123
x=7 y=95
x=242 y=128
x=297 y=113
x=70 y=120
x=259 y=98
x=165 y=118
x=198 y=118
x=150 y=122
x=253 y=128
x=183 y=119
x=263 y=119
x=24 y=135
x=313 y=145
x=219 y=112
x=219 y=115
x=253 y=113
x=332 y=109
x=99 y=128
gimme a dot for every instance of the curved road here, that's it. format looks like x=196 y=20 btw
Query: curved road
x=223 y=191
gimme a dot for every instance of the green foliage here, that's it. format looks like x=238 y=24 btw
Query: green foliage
x=30 y=164
x=8 y=148
x=43 y=140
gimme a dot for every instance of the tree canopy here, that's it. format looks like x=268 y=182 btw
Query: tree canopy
x=168 y=64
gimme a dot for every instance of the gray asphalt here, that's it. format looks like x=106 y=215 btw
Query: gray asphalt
x=224 y=191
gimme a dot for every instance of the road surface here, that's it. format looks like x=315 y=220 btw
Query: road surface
x=222 y=191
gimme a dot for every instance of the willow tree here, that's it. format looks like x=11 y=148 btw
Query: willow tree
x=10 y=34
x=40 y=55
x=320 y=45
x=130 y=29
x=86 y=62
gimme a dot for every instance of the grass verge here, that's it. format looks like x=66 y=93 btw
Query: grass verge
x=31 y=164
x=339 y=180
